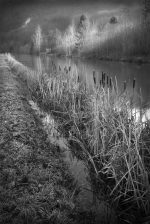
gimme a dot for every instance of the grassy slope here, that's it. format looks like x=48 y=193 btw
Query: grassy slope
x=35 y=186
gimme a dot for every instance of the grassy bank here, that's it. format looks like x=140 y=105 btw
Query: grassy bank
x=100 y=125
x=35 y=184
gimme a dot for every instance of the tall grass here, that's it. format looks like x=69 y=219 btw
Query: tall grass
x=102 y=127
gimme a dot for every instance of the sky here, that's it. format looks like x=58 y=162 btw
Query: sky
x=126 y=2
x=55 y=13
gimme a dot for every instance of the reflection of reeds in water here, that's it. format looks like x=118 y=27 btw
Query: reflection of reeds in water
x=101 y=124
x=38 y=64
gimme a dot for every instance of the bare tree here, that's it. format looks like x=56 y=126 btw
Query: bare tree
x=37 y=40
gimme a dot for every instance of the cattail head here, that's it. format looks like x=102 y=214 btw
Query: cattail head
x=107 y=80
x=124 y=85
x=104 y=75
x=133 y=83
x=110 y=82
x=52 y=86
x=94 y=77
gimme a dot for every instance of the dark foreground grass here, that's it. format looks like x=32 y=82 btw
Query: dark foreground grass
x=102 y=126
x=35 y=184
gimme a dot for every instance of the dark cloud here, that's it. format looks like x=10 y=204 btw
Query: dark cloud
x=6 y=2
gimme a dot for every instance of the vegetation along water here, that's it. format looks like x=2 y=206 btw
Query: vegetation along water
x=75 y=114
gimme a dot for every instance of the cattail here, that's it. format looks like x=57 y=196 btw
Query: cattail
x=110 y=82
x=94 y=78
x=107 y=80
x=78 y=79
x=100 y=82
x=124 y=85
x=52 y=86
x=134 y=83
x=59 y=68
x=102 y=77
x=103 y=84
x=69 y=68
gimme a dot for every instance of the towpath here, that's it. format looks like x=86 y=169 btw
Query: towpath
x=34 y=181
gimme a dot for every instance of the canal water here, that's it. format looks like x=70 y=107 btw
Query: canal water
x=123 y=71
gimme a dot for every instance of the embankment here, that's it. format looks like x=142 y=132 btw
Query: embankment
x=35 y=185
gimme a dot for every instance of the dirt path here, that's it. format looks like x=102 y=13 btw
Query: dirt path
x=35 y=186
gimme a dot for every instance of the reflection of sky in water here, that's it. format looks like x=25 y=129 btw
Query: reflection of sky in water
x=141 y=115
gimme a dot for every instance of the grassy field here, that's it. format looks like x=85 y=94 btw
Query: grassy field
x=101 y=127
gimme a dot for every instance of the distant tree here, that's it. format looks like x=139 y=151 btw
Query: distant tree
x=113 y=20
x=146 y=10
x=70 y=39
x=83 y=25
x=37 y=40
x=54 y=39
x=81 y=31
x=57 y=37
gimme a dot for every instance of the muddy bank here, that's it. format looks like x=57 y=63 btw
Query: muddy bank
x=35 y=185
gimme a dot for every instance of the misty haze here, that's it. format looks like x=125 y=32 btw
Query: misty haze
x=74 y=111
